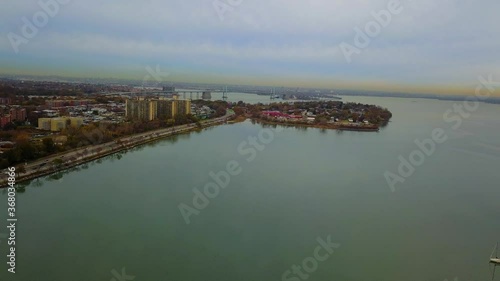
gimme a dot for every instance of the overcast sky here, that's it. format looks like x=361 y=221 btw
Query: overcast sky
x=429 y=43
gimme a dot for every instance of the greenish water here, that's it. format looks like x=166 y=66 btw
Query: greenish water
x=440 y=224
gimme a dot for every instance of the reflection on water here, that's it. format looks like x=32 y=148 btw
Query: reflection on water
x=58 y=176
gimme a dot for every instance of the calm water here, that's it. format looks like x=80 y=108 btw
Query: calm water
x=123 y=212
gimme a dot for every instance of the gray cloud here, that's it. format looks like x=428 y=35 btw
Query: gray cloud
x=444 y=42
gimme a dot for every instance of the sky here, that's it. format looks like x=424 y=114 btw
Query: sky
x=439 y=46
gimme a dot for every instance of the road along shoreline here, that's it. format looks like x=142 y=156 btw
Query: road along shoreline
x=110 y=149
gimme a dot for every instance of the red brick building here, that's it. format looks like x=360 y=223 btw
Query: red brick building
x=5 y=101
x=4 y=120
x=18 y=114
x=62 y=103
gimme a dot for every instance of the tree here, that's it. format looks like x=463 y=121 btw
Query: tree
x=10 y=126
x=57 y=162
x=27 y=150
x=4 y=163
x=13 y=156
x=181 y=119
x=49 y=145
x=21 y=169
x=170 y=122
x=355 y=117
x=220 y=111
x=192 y=118
x=239 y=110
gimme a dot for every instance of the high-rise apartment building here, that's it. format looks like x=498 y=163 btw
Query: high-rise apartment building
x=138 y=109
x=156 y=109
x=182 y=106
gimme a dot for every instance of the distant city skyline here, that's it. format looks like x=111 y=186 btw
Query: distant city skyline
x=426 y=46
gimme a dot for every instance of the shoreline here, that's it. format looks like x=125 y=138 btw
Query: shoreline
x=323 y=127
x=153 y=136
x=156 y=135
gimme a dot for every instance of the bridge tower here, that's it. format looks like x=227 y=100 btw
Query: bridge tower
x=224 y=93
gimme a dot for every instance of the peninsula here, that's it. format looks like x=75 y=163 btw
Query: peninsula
x=336 y=115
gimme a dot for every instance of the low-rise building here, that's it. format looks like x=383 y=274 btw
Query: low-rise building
x=62 y=103
x=6 y=101
x=58 y=124
x=18 y=114
x=4 y=120
x=44 y=123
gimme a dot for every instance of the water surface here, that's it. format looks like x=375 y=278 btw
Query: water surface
x=122 y=212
